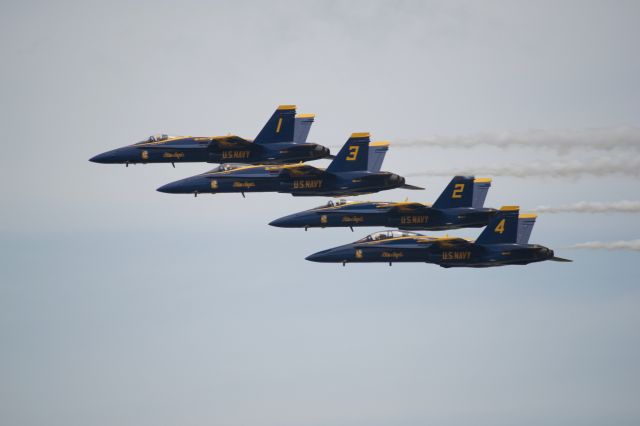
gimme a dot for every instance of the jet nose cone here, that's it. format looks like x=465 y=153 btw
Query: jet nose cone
x=170 y=188
x=100 y=158
x=324 y=256
x=291 y=221
x=280 y=223
x=316 y=257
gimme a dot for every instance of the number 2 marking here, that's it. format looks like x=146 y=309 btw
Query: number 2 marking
x=457 y=192
x=353 y=152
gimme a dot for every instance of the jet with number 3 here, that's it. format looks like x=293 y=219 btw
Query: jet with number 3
x=505 y=241
x=351 y=172
x=282 y=140
x=459 y=206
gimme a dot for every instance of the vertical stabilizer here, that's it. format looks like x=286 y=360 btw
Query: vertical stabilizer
x=503 y=228
x=302 y=127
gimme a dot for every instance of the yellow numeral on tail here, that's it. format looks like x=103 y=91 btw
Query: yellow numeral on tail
x=353 y=152
x=500 y=228
x=457 y=191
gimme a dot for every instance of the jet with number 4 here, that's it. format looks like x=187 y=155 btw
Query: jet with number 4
x=505 y=241
x=281 y=140
x=459 y=206
x=350 y=173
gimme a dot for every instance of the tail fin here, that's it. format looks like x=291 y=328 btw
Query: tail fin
x=480 y=188
x=459 y=193
x=280 y=126
x=525 y=226
x=503 y=228
x=353 y=156
x=377 y=151
x=302 y=126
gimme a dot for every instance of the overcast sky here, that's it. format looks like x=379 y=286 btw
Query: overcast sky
x=122 y=305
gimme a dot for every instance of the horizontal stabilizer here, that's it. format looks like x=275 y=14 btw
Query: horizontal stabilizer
x=407 y=186
x=560 y=259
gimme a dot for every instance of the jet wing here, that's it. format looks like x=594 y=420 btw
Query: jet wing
x=560 y=259
x=299 y=170
x=230 y=142
x=451 y=242
x=407 y=207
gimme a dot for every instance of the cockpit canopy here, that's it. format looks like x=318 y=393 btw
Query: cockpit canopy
x=331 y=203
x=385 y=235
x=158 y=137
x=225 y=167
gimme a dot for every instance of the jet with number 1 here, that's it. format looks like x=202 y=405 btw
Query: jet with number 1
x=350 y=173
x=505 y=241
x=282 y=140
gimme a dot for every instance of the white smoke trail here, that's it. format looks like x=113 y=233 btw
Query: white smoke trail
x=592 y=207
x=633 y=245
x=570 y=169
x=608 y=139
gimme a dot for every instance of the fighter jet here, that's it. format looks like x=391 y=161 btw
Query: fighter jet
x=503 y=242
x=282 y=140
x=459 y=206
x=350 y=173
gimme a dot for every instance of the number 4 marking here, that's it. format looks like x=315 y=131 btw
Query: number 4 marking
x=500 y=228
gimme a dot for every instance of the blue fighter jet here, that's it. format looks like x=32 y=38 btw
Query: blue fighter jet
x=505 y=241
x=350 y=173
x=459 y=206
x=282 y=140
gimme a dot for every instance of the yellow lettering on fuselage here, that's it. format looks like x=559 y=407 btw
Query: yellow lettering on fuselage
x=307 y=184
x=456 y=255
x=235 y=155
x=244 y=184
x=176 y=155
x=392 y=254
x=352 y=219
x=413 y=220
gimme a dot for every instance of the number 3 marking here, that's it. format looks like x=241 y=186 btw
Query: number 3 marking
x=353 y=152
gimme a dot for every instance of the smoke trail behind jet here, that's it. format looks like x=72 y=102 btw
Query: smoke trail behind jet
x=632 y=245
x=592 y=207
x=608 y=139
x=570 y=169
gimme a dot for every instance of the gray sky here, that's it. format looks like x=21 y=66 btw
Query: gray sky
x=121 y=305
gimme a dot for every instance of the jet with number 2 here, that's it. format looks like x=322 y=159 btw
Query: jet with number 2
x=282 y=140
x=505 y=241
x=350 y=173
x=459 y=206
